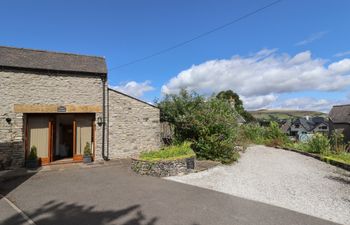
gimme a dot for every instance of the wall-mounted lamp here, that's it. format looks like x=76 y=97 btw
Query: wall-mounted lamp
x=8 y=120
x=99 y=121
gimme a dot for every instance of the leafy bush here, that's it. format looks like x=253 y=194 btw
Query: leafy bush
x=337 y=142
x=210 y=124
x=87 y=149
x=33 y=154
x=302 y=146
x=253 y=133
x=270 y=136
x=341 y=156
x=217 y=131
x=170 y=152
x=318 y=144
x=275 y=137
x=179 y=110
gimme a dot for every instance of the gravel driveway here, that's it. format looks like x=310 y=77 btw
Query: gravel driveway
x=284 y=179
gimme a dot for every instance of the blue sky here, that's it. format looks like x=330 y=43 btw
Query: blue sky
x=292 y=55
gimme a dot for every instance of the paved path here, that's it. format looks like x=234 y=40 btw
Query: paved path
x=115 y=195
x=284 y=179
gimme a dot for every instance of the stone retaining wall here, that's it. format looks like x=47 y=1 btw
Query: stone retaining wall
x=163 y=168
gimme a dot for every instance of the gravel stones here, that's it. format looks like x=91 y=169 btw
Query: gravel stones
x=284 y=179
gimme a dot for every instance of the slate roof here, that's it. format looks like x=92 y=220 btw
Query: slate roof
x=311 y=123
x=285 y=127
x=22 y=58
x=340 y=114
x=307 y=124
x=240 y=119
x=318 y=119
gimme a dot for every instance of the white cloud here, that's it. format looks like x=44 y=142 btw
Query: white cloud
x=307 y=103
x=258 y=102
x=342 y=54
x=342 y=66
x=260 y=77
x=134 y=88
x=312 y=38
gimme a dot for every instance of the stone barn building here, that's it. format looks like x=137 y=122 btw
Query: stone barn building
x=339 y=120
x=60 y=102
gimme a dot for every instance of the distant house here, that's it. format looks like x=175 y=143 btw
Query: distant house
x=240 y=119
x=306 y=125
x=286 y=127
x=322 y=127
x=339 y=119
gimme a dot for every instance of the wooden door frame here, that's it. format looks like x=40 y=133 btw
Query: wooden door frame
x=79 y=157
x=93 y=138
x=51 y=141
x=76 y=157
x=26 y=136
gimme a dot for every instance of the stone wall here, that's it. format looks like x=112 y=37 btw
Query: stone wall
x=134 y=126
x=163 y=168
x=18 y=87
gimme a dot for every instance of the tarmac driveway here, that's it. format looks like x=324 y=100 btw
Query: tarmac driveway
x=112 y=194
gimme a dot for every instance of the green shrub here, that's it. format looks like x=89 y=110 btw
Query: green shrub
x=87 y=149
x=318 y=144
x=241 y=139
x=337 y=142
x=343 y=157
x=212 y=148
x=170 y=152
x=210 y=124
x=179 y=110
x=254 y=133
x=299 y=146
x=270 y=136
x=33 y=154
x=217 y=131
x=275 y=137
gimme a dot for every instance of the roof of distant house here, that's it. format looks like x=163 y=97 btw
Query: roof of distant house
x=22 y=58
x=240 y=119
x=310 y=124
x=285 y=127
x=307 y=124
x=318 y=119
x=340 y=114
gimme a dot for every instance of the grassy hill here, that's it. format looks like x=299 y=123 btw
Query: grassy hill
x=265 y=114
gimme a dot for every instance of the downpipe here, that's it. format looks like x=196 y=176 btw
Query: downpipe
x=104 y=156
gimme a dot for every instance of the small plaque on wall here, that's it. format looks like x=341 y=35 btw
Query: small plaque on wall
x=61 y=109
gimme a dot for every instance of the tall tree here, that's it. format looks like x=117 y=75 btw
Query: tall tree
x=234 y=100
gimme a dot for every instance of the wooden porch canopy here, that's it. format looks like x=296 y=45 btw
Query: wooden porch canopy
x=53 y=108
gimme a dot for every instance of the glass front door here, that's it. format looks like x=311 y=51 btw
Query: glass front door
x=60 y=136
